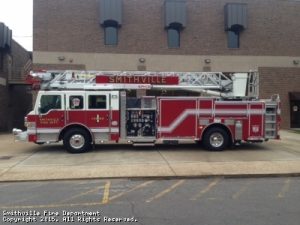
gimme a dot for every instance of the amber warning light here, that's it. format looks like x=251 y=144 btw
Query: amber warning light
x=158 y=80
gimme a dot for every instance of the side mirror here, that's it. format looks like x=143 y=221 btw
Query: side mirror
x=39 y=109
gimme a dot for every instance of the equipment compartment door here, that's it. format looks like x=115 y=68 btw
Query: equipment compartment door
x=102 y=115
x=256 y=120
x=177 y=118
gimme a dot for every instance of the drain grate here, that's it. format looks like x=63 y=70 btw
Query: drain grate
x=5 y=157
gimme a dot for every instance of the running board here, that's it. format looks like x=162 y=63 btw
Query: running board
x=150 y=144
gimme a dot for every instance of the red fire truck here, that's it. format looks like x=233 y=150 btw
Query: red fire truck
x=82 y=108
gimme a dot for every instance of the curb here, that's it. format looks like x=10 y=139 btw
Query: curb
x=225 y=176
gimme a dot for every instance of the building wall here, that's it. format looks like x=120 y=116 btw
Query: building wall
x=67 y=34
x=73 y=26
x=4 y=91
x=280 y=81
x=15 y=99
x=4 y=100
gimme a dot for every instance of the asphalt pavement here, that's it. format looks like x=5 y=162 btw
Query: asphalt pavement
x=29 y=162
x=211 y=201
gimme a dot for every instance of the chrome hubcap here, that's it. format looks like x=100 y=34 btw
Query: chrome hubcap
x=77 y=141
x=216 y=139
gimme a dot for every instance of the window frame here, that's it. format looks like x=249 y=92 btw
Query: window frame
x=40 y=107
x=81 y=104
x=95 y=108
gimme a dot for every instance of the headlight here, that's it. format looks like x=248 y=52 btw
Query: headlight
x=25 y=121
x=31 y=125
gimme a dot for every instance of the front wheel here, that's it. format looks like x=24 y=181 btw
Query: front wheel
x=77 y=141
x=215 y=139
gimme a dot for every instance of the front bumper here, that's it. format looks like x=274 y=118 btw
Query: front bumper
x=20 y=135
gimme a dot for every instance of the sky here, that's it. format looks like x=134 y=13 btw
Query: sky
x=17 y=15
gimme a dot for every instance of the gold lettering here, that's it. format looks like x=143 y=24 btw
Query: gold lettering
x=111 y=79
x=129 y=79
x=136 y=79
x=152 y=80
x=118 y=80
x=144 y=79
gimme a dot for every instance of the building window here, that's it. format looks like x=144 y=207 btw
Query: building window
x=233 y=38
x=174 y=35
x=173 y=38
x=235 y=23
x=110 y=33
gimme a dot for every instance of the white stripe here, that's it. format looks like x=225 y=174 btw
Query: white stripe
x=105 y=130
x=178 y=120
x=244 y=103
x=47 y=130
x=234 y=112
x=188 y=112
x=257 y=111
x=230 y=111
x=54 y=130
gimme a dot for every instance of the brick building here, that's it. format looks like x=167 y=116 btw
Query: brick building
x=15 y=99
x=176 y=35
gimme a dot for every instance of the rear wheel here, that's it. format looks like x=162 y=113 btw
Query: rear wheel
x=77 y=141
x=215 y=139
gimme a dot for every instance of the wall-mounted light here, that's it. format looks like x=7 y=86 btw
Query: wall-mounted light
x=61 y=58
x=142 y=60
x=296 y=62
x=207 y=61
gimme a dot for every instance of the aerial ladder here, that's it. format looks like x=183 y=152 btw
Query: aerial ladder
x=225 y=85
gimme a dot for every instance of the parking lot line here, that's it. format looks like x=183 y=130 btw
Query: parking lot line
x=105 y=198
x=207 y=189
x=242 y=190
x=285 y=188
x=166 y=191
x=46 y=206
x=81 y=194
x=62 y=204
x=144 y=184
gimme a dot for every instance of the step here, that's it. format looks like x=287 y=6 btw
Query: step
x=151 y=144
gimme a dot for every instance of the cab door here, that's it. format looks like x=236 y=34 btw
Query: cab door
x=75 y=108
x=51 y=116
x=98 y=114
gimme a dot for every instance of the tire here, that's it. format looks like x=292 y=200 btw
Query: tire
x=216 y=139
x=77 y=140
x=39 y=143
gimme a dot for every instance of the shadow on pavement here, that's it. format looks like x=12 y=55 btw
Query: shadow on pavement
x=55 y=148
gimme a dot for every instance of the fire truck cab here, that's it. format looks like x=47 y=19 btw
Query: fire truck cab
x=102 y=110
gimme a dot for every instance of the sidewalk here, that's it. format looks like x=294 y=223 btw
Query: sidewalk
x=26 y=161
